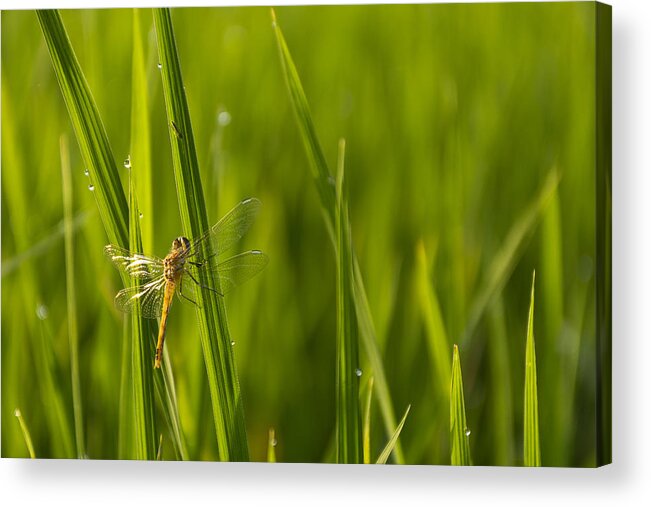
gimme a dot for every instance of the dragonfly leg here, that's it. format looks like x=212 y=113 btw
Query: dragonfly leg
x=203 y=286
x=183 y=295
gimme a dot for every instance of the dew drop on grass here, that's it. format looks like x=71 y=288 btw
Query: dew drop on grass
x=467 y=432
x=160 y=65
x=91 y=187
x=127 y=162
x=358 y=372
x=233 y=343
x=140 y=216
x=224 y=118
x=17 y=412
x=42 y=312
x=86 y=172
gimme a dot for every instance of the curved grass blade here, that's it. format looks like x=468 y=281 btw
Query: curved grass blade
x=349 y=431
x=73 y=334
x=506 y=258
x=323 y=181
x=89 y=130
x=228 y=413
x=459 y=432
x=531 y=434
x=386 y=452
x=26 y=434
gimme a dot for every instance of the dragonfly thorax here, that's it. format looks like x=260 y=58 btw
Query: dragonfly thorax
x=174 y=263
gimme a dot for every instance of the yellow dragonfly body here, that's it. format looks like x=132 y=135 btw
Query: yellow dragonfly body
x=158 y=280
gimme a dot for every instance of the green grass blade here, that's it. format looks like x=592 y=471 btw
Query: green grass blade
x=126 y=413
x=437 y=338
x=506 y=258
x=228 y=412
x=73 y=334
x=271 y=446
x=140 y=151
x=531 y=435
x=459 y=433
x=142 y=373
x=26 y=435
x=366 y=430
x=349 y=434
x=88 y=127
x=323 y=181
x=386 y=452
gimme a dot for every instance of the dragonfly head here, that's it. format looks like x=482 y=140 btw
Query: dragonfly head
x=181 y=243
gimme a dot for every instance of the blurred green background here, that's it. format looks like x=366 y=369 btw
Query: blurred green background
x=453 y=117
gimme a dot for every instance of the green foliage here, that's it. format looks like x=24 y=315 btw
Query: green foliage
x=453 y=116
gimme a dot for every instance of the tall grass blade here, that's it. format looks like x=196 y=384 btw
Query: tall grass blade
x=73 y=334
x=126 y=411
x=366 y=430
x=506 y=258
x=459 y=432
x=437 y=338
x=26 y=434
x=349 y=431
x=323 y=181
x=88 y=127
x=386 y=452
x=140 y=151
x=142 y=373
x=228 y=412
x=531 y=434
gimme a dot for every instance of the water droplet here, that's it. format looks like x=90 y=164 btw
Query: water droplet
x=42 y=312
x=274 y=442
x=467 y=432
x=233 y=343
x=127 y=162
x=160 y=65
x=91 y=187
x=17 y=412
x=224 y=118
x=86 y=172
x=358 y=372
x=140 y=216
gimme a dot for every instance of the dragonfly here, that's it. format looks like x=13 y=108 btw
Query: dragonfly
x=180 y=272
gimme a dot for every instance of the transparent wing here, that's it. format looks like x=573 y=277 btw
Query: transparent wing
x=134 y=265
x=230 y=228
x=150 y=295
x=235 y=270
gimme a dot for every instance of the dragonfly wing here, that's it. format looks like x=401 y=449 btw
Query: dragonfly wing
x=134 y=265
x=230 y=229
x=238 y=269
x=150 y=296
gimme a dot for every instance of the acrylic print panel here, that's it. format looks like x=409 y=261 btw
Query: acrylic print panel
x=435 y=289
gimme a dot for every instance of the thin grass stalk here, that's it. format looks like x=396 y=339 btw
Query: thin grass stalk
x=271 y=446
x=531 y=428
x=26 y=434
x=228 y=412
x=141 y=354
x=459 y=432
x=386 y=452
x=71 y=297
x=366 y=430
x=323 y=182
x=349 y=435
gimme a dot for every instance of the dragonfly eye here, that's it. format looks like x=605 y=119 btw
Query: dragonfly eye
x=185 y=242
